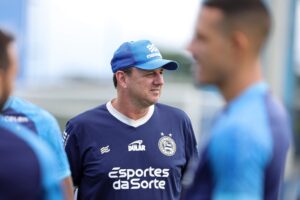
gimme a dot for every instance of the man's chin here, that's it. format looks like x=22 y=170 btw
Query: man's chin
x=198 y=82
x=153 y=101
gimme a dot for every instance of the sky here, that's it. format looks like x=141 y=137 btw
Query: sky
x=77 y=38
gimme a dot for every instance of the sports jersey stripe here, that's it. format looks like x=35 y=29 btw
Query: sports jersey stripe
x=280 y=138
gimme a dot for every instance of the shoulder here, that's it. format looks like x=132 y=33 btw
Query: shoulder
x=245 y=127
x=38 y=146
x=29 y=109
x=170 y=110
x=248 y=115
x=275 y=108
x=80 y=125
x=90 y=116
x=21 y=104
x=9 y=133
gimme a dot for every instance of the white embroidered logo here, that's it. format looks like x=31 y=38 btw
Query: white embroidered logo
x=141 y=178
x=152 y=48
x=167 y=145
x=19 y=119
x=105 y=149
x=137 y=146
x=154 y=52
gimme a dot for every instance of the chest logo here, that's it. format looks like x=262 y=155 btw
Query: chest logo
x=105 y=149
x=167 y=145
x=18 y=119
x=136 y=146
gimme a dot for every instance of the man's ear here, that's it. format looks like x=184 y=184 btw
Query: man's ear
x=240 y=42
x=121 y=79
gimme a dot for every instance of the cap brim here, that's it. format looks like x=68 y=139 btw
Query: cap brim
x=158 y=63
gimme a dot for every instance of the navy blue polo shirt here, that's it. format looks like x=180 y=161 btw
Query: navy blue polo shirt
x=114 y=157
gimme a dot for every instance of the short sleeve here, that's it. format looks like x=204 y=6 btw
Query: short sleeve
x=52 y=135
x=190 y=141
x=191 y=152
x=73 y=152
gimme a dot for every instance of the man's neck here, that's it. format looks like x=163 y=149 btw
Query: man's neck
x=128 y=109
x=239 y=82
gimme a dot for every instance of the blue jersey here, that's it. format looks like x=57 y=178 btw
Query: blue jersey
x=246 y=152
x=41 y=123
x=114 y=157
x=28 y=169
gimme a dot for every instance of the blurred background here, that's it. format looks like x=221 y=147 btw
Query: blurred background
x=65 y=48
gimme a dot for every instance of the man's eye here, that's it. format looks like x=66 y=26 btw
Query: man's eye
x=149 y=74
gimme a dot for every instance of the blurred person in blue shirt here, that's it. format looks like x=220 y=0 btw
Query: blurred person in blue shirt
x=245 y=155
x=44 y=125
x=28 y=168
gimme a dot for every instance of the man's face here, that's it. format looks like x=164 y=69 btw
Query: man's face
x=211 y=48
x=7 y=77
x=144 y=86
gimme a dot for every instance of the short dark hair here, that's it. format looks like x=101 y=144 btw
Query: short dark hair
x=251 y=14
x=126 y=70
x=5 y=40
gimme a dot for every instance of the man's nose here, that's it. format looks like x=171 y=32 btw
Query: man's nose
x=159 y=79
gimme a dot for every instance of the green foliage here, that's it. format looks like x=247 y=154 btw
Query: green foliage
x=184 y=72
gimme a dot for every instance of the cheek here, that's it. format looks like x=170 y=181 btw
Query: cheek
x=10 y=81
x=200 y=49
x=137 y=88
x=9 y=85
x=6 y=89
x=215 y=55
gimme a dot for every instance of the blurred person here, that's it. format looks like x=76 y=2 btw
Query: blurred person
x=131 y=147
x=43 y=124
x=28 y=168
x=244 y=157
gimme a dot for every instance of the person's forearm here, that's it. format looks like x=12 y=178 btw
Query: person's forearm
x=68 y=188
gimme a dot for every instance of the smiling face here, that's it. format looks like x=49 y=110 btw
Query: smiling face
x=144 y=86
x=211 y=48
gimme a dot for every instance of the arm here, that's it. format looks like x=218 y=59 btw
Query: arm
x=53 y=137
x=67 y=185
x=191 y=153
x=73 y=153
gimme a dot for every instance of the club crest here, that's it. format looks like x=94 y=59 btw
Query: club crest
x=167 y=145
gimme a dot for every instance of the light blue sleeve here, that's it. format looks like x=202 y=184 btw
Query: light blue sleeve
x=47 y=128
x=50 y=132
x=49 y=169
x=238 y=156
